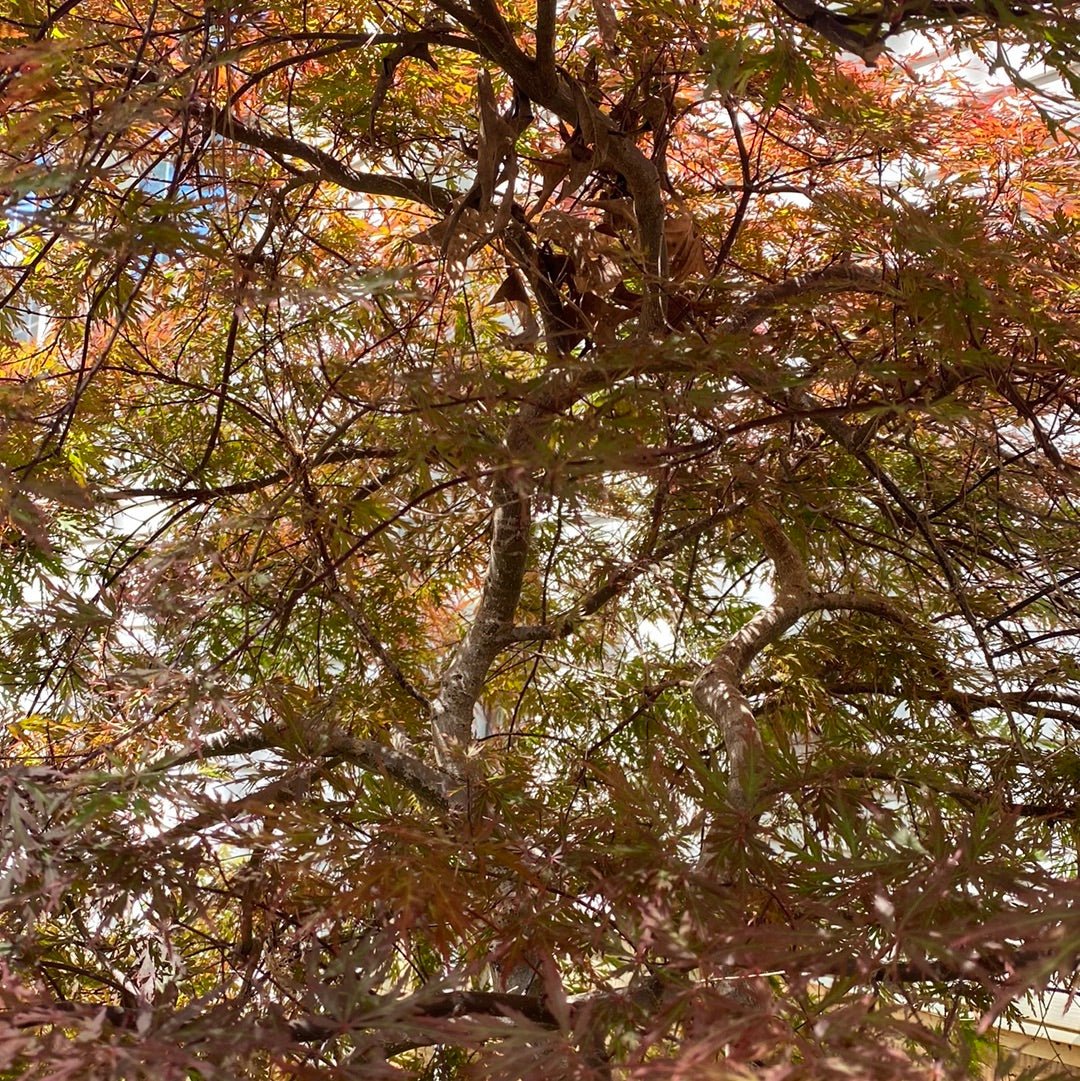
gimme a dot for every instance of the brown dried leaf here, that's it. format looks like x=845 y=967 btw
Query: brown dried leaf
x=511 y=291
x=553 y=170
x=490 y=149
x=597 y=267
x=593 y=124
x=603 y=317
x=580 y=170
x=569 y=231
x=686 y=253
x=598 y=273
x=455 y=235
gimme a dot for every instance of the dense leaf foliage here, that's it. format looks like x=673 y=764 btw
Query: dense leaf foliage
x=537 y=541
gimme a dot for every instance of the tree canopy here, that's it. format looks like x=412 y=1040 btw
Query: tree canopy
x=539 y=540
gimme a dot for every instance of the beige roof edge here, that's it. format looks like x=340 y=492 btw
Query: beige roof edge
x=1040 y=1047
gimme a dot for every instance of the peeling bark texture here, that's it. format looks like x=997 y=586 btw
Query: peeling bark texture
x=431 y=786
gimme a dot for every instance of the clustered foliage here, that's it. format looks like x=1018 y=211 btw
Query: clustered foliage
x=539 y=540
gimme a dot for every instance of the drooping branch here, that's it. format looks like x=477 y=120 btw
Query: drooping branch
x=313 y=1027
x=1038 y=703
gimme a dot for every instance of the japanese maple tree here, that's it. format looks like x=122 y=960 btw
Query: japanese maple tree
x=538 y=540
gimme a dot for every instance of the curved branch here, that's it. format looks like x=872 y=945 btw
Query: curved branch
x=717 y=691
x=339 y=43
x=511 y=519
x=223 y=123
x=430 y=785
x=841 y=277
x=868 y=44
x=1057 y=707
x=561 y=626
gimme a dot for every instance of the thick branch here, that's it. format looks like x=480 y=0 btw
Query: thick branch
x=545 y=39
x=452 y=711
x=842 y=277
x=463 y=680
x=866 y=44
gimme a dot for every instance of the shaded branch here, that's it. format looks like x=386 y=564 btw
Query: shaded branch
x=1059 y=707
x=223 y=123
x=384 y=1013
x=717 y=690
x=545 y=39
x=207 y=493
x=971 y=798
x=865 y=33
x=841 y=277
x=867 y=44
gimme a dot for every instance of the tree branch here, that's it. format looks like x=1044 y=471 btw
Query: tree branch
x=511 y=496
x=836 y=278
x=432 y=786
x=617 y=581
x=1052 y=811
x=223 y=123
x=395 y=1015
x=168 y=494
x=867 y=45
x=545 y=39
x=1058 y=707
x=717 y=690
